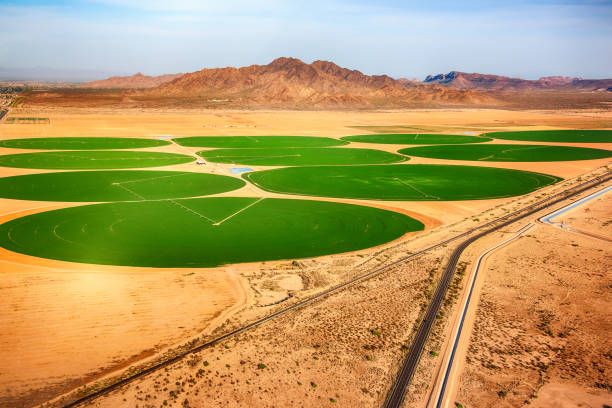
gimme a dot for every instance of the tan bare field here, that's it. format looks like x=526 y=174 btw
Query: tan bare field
x=68 y=324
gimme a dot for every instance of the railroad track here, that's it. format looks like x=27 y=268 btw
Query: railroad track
x=438 y=396
x=398 y=391
x=124 y=381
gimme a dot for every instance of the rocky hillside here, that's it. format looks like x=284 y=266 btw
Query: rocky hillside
x=475 y=81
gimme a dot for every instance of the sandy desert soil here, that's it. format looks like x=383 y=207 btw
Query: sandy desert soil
x=169 y=317
x=595 y=219
x=63 y=327
x=151 y=122
x=542 y=327
x=337 y=352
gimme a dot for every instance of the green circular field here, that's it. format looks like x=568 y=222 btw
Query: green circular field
x=81 y=143
x=96 y=159
x=120 y=185
x=507 y=152
x=417 y=182
x=304 y=156
x=415 y=138
x=258 y=141
x=561 y=136
x=202 y=232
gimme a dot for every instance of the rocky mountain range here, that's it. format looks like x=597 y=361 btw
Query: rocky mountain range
x=475 y=81
x=291 y=82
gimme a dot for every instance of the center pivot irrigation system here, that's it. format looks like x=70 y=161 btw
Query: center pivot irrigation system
x=398 y=391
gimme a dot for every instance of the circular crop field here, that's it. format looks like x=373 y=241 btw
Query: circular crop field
x=507 y=152
x=258 y=141
x=120 y=185
x=561 y=136
x=81 y=143
x=295 y=156
x=418 y=182
x=415 y=138
x=82 y=160
x=202 y=232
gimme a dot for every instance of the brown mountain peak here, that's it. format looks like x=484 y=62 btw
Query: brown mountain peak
x=286 y=63
x=325 y=65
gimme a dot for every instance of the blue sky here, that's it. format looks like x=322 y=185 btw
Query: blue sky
x=408 y=38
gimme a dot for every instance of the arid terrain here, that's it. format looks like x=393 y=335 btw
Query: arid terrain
x=69 y=324
x=541 y=330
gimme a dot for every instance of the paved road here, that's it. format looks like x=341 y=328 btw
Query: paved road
x=398 y=391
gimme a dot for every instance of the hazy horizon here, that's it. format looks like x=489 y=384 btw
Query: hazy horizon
x=527 y=39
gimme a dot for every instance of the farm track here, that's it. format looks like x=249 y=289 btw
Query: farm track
x=398 y=391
